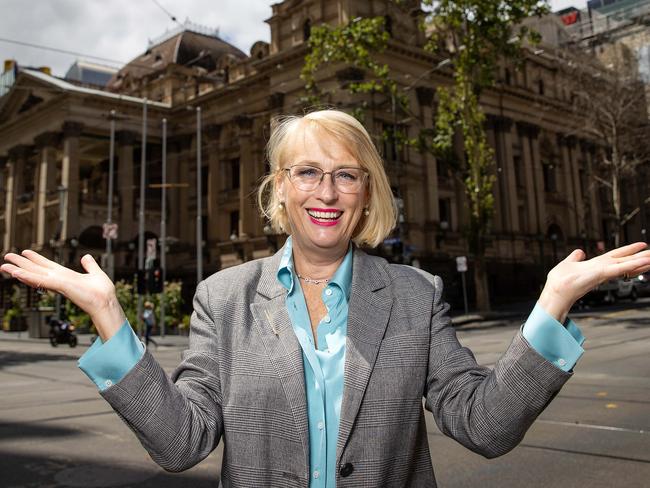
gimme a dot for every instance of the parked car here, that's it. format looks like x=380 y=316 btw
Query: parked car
x=613 y=290
x=642 y=284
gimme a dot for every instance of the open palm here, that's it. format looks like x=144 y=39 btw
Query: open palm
x=92 y=291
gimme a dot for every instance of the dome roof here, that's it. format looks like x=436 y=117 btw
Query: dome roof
x=185 y=48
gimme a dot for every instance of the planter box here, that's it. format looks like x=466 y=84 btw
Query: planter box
x=38 y=324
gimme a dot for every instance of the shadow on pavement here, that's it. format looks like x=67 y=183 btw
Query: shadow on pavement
x=24 y=431
x=16 y=358
x=23 y=471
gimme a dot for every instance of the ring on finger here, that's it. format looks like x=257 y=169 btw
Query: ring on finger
x=626 y=276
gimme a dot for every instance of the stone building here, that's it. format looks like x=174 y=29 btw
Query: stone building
x=54 y=151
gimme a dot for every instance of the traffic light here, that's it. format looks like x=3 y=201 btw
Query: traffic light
x=150 y=281
x=155 y=281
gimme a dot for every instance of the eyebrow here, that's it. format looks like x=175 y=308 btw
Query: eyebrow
x=316 y=164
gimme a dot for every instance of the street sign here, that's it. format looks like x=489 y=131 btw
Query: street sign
x=109 y=230
x=461 y=264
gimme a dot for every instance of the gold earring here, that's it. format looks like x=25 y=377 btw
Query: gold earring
x=281 y=206
x=366 y=212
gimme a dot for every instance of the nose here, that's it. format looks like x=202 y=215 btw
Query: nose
x=326 y=191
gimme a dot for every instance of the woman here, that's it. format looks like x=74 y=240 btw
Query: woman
x=312 y=364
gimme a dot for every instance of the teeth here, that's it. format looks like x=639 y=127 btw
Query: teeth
x=324 y=215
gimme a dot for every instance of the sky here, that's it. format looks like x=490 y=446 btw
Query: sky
x=120 y=30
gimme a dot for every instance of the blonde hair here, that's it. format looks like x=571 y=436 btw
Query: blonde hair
x=348 y=131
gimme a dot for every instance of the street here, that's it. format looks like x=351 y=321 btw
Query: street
x=56 y=431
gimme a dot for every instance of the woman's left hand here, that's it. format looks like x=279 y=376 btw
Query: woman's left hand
x=573 y=277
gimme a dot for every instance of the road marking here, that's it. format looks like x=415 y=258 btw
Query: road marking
x=594 y=426
x=611 y=405
x=601 y=394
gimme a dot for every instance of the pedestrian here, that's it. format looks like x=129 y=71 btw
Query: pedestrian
x=149 y=319
x=312 y=364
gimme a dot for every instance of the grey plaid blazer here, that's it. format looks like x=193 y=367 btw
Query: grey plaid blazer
x=242 y=380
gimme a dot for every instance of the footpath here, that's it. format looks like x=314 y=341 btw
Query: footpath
x=500 y=316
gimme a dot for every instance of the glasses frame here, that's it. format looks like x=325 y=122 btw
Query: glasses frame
x=366 y=176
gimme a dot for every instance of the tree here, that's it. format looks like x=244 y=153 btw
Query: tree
x=474 y=36
x=610 y=97
x=477 y=35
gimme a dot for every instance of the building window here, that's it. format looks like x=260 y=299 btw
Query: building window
x=550 y=182
x=444 y=206
x=507 y=77
x=388 y=24
x=540 y=86
x=234 y=222
x=234 y=174
x=393 y=149
x=306 y=30
x=519 y=171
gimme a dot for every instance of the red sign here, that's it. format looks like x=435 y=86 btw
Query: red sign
x=571 y=18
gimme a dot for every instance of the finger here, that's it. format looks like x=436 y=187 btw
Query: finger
x=90 y=265
x=627 y=250
x=39 y=259
x=628 y=267
x=576 y=255
x=35 y=280
x=24 y=263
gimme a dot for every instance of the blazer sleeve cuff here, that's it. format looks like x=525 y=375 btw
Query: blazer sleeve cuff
x=559 y=344
x=106 y=363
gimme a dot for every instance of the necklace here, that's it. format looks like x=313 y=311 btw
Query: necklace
x=312 y=281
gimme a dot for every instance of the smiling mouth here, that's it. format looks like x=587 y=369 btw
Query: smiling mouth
x=325 y=216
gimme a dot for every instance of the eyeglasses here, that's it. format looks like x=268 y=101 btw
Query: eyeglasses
x=308 y=178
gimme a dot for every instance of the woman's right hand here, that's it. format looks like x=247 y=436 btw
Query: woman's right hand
x=92 y=291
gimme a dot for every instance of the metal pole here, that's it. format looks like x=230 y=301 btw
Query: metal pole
x=143 y=164
x=199 y=234
x=63 y=194
x=462 y=275
x=109 y=220
x=163 y=227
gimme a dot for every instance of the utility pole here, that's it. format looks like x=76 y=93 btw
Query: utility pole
x=109 y=220
x=199 y=233
x=143 y=164
x=163 y=226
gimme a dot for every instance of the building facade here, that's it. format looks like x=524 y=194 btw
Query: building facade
x=55 y=139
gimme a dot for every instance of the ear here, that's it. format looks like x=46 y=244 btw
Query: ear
x=279 y=187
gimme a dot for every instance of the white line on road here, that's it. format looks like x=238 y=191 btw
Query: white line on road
x=596 y=427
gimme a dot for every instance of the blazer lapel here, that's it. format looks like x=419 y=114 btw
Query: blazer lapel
x=368 y=315
x=282 y=346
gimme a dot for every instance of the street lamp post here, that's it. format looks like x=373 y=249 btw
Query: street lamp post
x=143 y=164
x=109 y=220
x=163 y=226
x=199 y=230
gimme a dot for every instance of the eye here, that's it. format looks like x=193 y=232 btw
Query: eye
x=347 y=175
x=306 y=172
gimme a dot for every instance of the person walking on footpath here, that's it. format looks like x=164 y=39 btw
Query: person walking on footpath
x=312 y=365
x=149 y=319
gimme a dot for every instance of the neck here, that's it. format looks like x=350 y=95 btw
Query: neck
x=317 y=265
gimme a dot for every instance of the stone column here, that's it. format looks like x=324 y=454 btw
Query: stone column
x=524 y=135
x=538 y=176
x=246 y=178
x=588 y=154
x=213 y=132
x=492 y=137
x=4 y=169
x=17 y=159
x=185 y=221
x=45 y=187
x=571 y=185
x=510 y=177
x=431 y=192
x=70 y=179
x=125 y=186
